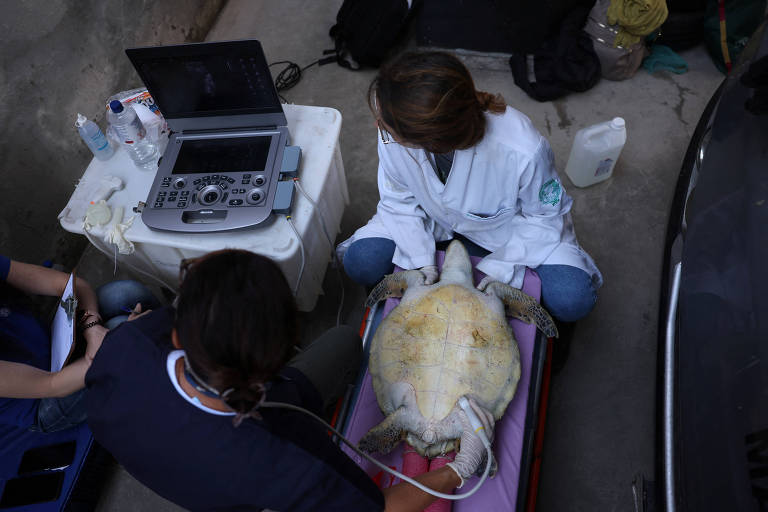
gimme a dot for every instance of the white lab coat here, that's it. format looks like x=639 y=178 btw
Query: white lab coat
x=503 y=194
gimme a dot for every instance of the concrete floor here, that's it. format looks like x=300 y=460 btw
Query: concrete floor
x=58 y=58
x=600 y=425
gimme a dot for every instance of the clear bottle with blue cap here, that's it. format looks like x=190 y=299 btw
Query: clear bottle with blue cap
x=128 y=129
x=94 y=138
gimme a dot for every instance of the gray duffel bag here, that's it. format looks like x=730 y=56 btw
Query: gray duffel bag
x=617 y=63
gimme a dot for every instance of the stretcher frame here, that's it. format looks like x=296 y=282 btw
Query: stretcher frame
x=536 y=407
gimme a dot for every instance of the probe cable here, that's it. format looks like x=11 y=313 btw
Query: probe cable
x=320 y=213
x=301 y=244
x=486 y=444
x=334 y=258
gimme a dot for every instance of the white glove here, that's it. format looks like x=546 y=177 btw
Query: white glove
x=472 y=451
x=484 y=283
x=430 y=273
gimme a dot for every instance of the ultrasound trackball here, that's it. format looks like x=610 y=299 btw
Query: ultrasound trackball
x=209 y=195
x=255 y=196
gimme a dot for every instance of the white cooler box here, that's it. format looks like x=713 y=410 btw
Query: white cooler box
x=158 y=253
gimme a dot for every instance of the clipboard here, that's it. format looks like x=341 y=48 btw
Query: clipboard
x=63 y=327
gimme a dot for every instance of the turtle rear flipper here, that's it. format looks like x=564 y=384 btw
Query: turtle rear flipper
x=523 y=307
x=394 y=285
x=384 y=437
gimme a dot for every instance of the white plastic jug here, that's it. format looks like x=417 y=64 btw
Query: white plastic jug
x=595 y=151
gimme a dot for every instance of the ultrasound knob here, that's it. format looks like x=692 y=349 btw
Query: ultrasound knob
x=259 y=180
x=180 y=183
x=209 y=195
x=255 y=196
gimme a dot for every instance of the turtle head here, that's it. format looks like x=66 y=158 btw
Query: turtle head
x=457 y=268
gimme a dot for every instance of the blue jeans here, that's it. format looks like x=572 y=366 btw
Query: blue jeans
x=567 y=292
x=61 y=413
x=118 y=296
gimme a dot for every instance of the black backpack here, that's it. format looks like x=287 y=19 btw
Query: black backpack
x=366 y=31
x=566 y=62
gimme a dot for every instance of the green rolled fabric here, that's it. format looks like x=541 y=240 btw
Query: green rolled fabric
x=636 y=19
x=664 y=58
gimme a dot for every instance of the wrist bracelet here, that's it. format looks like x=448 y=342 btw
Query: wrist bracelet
x=89 y=325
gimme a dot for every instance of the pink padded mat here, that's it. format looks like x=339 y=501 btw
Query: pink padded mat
x=499 y=493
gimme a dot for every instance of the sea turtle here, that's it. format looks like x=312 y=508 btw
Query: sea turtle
x=441 y=342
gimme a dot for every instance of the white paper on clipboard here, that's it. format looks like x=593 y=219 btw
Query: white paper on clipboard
x=63 y=328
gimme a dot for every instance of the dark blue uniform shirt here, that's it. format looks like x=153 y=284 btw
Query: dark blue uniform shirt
x=199 y=460
x=22 y=340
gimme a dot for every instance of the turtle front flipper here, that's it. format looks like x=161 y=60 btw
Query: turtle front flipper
x=394 y=285
x=384 y=437
x=523 y=307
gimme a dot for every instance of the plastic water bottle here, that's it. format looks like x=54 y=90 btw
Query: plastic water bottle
x=128 y=128
x=94 y=138
x=595 y=151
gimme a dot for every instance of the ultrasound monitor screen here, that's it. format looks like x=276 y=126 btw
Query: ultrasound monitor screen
x=207 y=79
x=210 y=156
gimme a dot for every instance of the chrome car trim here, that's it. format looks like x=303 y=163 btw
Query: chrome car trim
x=669 y=389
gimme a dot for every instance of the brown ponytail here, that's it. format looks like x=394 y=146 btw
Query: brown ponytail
x=236 y=319
x=493 y=103
x=428 y=99
x=245 y=399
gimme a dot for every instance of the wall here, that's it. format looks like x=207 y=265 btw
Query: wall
x=57 y=58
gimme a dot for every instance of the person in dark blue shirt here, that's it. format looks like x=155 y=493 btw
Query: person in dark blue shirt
x=31 y=396
x=175 y=395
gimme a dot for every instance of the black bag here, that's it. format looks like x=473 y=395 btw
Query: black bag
x=565 y=63
x=682 y=30
x=366 y=31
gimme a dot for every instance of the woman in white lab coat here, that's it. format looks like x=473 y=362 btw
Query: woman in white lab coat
x=456 y=162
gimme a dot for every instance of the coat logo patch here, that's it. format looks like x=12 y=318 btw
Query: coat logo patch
x=550 y=192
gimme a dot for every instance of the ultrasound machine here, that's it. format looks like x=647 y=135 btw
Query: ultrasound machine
x=228 y=163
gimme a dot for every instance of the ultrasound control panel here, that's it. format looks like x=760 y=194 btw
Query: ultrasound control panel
x=215 y=182
x=240 y=190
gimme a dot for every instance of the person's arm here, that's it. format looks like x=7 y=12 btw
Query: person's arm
x=537 y=229
x=405 y=497
x=89 y=306
x=401 y=213
x=38 y=280
x=87 y=301
x=19 y=380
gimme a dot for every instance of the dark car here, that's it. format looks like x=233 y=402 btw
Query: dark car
x=713 y=341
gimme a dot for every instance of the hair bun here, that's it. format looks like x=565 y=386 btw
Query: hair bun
x=245 y=400
x=489 y=101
